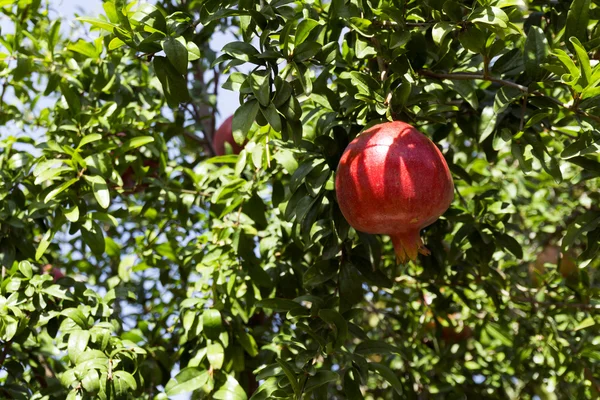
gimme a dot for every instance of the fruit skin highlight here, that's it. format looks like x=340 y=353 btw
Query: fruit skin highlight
x=225 y=135
x=393 y=180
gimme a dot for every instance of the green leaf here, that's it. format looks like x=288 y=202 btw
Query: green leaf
x=364 y=83
x=487 y=123
x=584 y=62
x=510 y=243
x=586 y=323
x=352 y=385
x=362 y=26
x=243 y=118
x=98 y=23
x=25 y=269
x=59 y=189
x=339 y=324
x=72 y=98
x=58 y=292
x=272 y=116
x=261 y=88
x=212 y=323
x=321 y=378
x=215 y=355
x=495 y=331
x=77 y=316
x=173 y=83
x=490 y=16
x=78 y=341
x=85 y=48
x=303 y=30
x=72 y=214
x=94 y=238
x=440 y=30
x=389 y=375
x=89 y=139
x=230 y=390
x=291 y=375
x=240 y=50
x=248 y=343
x=278 y=305
x=306 y=50
x=466 y=90
x=505 y=97
x=187 y=380
x=582 y=224
x=578 y=18
x=100 y=189
x=43 y=246
x=177 y=53
x=193 y=51
x=123 y=382
x=472 y=39
x=369 y=347
x=136 y=142
x=535 y=52
x=350 y=286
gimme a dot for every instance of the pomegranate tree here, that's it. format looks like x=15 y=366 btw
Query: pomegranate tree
x=393 y=180
x=225 y=135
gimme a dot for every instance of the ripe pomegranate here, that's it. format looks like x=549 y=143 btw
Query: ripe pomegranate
x=225 y=135
x=393 y=180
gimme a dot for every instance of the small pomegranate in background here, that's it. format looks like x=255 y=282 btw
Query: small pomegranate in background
x=225 y=135
x=55 y=272
x=393 y=180
x=552 y=254
x=130 y=180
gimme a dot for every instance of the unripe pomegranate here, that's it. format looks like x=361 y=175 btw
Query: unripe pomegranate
x=393 y=180
x=225 y=135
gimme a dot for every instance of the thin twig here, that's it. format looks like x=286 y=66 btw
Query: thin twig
x=4 y=85
x=477 y=76
x=200 y=112
x=466 y=76
x=578 y=306
x=380 y=61
x=217 y=74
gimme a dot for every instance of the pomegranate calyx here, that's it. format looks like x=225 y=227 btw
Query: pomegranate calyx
x=408 y=245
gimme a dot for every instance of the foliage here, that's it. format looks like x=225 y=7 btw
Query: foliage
x=237 y=277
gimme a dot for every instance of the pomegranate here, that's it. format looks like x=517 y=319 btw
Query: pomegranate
x=55 y=272
x=393 y=180
x=225 y=135
x=552 y=255
x=130 y=181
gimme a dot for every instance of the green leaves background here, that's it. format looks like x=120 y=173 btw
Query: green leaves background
x=237 y=277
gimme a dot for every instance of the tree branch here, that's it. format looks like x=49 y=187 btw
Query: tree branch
x=5 y=349
x=579 y=306
x=467 y=76
x=204 y=111
x=217 y=75
x=477 y=76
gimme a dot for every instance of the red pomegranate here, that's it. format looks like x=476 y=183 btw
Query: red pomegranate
x=393 y=180
x=130 y=181
x=55 y=272
x=225 y=135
